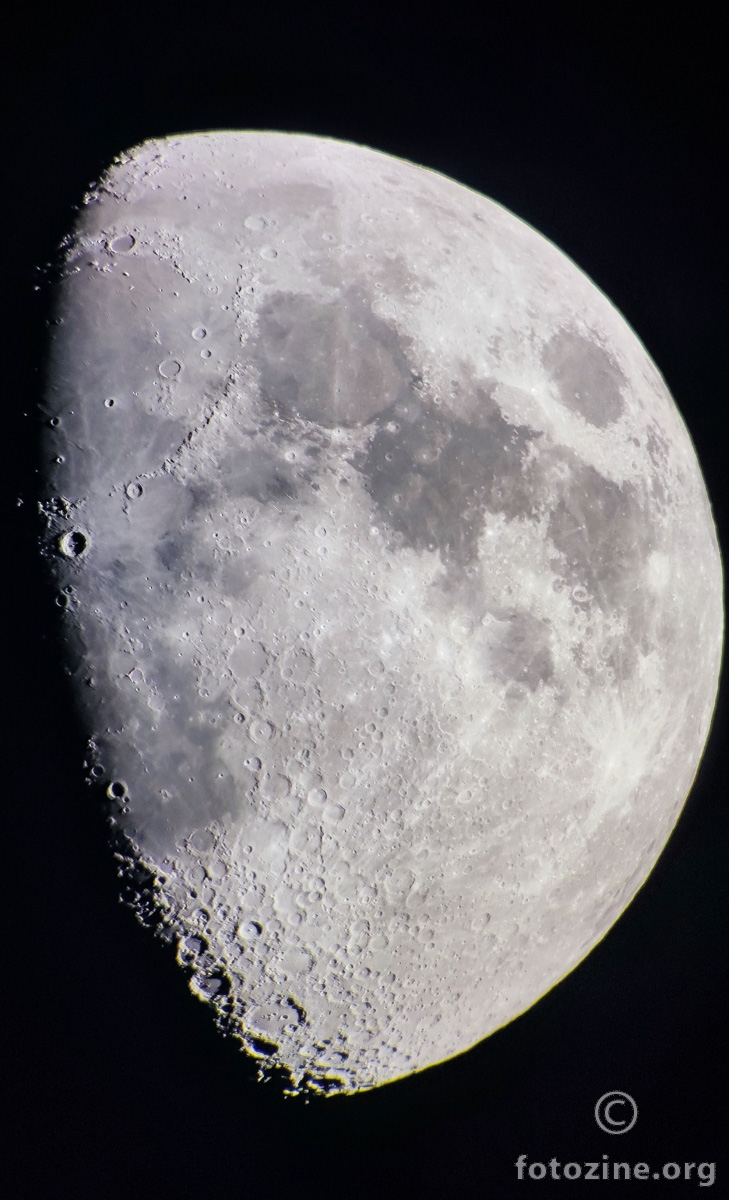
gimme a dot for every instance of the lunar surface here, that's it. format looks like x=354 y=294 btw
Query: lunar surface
x=390 y=589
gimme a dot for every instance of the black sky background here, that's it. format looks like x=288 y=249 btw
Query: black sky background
x=606 y=130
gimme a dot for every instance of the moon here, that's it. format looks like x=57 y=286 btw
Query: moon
x=390 y=590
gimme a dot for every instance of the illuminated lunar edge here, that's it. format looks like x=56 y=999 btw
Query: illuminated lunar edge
x=396 y=582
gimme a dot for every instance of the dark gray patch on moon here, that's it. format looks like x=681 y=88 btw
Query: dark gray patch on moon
x=520 y=651
x=281 y=202
x=256 y=474
x=195 y=782
x=599 y=528
x=334 y=363
x=657 y=447
x=589 y=381
x=432 y=478
x=179 y=552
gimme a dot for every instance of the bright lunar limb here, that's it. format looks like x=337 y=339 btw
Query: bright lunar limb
x=391 y=587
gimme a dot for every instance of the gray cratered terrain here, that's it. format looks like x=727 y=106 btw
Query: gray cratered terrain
x=391 y=585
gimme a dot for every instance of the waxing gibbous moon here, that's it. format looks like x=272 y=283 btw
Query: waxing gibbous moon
x=391 y=591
